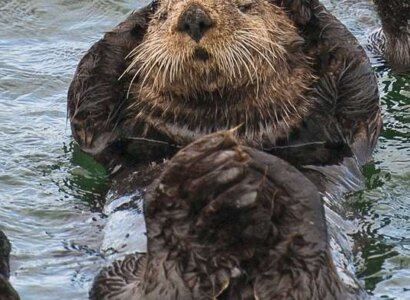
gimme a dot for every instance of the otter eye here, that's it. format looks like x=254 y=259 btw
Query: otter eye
x=245 y=7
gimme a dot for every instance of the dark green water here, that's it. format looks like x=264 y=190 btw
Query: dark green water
x=49 y=191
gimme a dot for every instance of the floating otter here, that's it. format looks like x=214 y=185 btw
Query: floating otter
x=287 y=74
x=226 y=221
x=393 y=40
x=7 y=292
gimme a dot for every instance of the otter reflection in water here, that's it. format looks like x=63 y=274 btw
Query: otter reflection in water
x=7 y=292
x=229 y=222
x=285 y=74
x=393 y=39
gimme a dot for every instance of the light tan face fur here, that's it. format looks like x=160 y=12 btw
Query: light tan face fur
x=256 y=75
x=247 y=45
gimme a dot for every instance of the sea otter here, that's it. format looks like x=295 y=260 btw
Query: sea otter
x=393 y=40
x=7 y=292
x=225 y=221
x=287 y=75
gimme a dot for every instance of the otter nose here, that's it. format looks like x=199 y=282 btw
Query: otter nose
x=195 y=22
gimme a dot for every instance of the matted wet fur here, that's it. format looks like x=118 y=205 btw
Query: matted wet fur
x=393 y=39
x=226 y=221
x=7 y=291
x=288 y=72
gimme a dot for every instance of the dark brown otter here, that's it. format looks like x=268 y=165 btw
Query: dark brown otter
x=287 y=72
x=393 y=39
x=7 y=292
x=226 y=221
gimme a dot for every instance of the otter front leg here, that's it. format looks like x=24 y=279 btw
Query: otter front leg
x=96 y=94
x=347 y=89
x=357 y=107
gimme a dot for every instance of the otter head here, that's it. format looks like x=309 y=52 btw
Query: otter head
x=207 y=65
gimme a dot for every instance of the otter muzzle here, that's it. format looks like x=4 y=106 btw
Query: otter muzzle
x=195 y=22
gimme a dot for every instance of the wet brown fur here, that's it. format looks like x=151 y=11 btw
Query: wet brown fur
x=228 y=222
x=7 y=291
x=395 y=38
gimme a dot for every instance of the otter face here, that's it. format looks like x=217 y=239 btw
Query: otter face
x=208 y=45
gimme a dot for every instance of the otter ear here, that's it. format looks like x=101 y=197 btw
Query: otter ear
x=300 y=11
